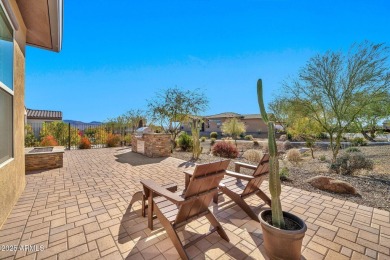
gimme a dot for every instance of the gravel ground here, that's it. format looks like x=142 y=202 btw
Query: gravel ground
x=373 y=186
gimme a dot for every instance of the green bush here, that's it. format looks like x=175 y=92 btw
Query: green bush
x=214 y=135
x=323 y=158
x=225 y=149
x=212 y=141
x=352 y=150
x=248 y=137
x=185 y=141
x=322 y=136
x=29 y=139
x=348 y=163
x=284 y=173
x=203 y=139
x=358 y=141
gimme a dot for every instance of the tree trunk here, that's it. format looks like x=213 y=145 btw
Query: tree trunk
x=369 y=138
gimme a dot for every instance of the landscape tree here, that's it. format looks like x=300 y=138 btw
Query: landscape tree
x=367 y=122
x=334 y=89
x=134 y=119
x=172 y=107
x=279 y=109
x=234 y=128
x=307 y=129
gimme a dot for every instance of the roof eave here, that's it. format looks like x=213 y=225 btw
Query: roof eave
x=55 y=12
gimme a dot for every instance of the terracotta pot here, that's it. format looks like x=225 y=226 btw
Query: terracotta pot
x=279 y=243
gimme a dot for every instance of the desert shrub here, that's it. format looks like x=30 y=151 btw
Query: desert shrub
x=265 y=147
x=49 y=141
x=113 y=140
x=348 y=163
x=284 y=173
x=283 y=138
x=85 y=143
x=185 y=141
x=212 y=141
x=358 y=141
x=280 y=147
x=248 y=137
x=127 y=139
x=253 y=155
x=203 y=139
x=287 y=145
x=293 y=155
x=323 y=158
x=214 y=135
x=256 y=143
x=225 y=149
x=352 y=150
x=322 y=136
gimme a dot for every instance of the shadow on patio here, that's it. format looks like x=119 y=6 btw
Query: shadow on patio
x=136 y=159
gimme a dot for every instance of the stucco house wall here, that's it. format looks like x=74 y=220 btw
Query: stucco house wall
x=12 y=174
x=29 y=26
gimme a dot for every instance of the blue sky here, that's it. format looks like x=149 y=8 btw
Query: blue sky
x=116 y=55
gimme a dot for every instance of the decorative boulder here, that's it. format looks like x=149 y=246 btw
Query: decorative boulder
x=330 y=184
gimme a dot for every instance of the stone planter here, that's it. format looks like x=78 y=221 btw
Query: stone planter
x=43 y=158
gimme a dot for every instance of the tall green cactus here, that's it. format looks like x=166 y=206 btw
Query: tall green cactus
x=195 y=131
x=274 y=179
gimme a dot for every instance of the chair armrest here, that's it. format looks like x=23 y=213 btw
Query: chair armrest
x=238 y=165
x=239 y=175
x=156 y=188
x=189 y=172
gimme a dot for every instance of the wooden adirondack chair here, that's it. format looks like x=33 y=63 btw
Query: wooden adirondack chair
x=174 y=210
x=239 y=186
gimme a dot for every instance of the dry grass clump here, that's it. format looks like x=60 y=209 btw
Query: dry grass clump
x=293 y=155
x=253 y=155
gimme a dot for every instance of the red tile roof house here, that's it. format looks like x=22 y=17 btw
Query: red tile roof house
x=36 y=118
x=22 y=22
x=254 y=124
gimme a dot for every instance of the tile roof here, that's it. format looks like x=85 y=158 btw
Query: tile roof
x=44 y=114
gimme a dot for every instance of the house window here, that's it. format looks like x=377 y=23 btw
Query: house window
x=6 y=88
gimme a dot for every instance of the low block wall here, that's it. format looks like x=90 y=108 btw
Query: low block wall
x=44 y=160
x=154 y=145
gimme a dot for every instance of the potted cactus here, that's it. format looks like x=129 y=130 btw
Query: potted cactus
x=283 y=232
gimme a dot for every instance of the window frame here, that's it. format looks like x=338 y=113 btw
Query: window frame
x=9 y=90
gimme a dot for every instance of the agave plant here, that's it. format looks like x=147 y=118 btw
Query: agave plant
x=274 y=180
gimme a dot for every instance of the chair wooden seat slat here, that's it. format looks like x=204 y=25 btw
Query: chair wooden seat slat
x=239 y=186
x=174 y=210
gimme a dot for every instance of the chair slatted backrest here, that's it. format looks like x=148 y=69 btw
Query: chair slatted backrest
x=203 y=185
x=260 y=174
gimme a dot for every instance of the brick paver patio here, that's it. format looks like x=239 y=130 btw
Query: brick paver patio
x=81 y=211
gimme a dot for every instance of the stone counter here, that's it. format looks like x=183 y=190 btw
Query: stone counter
x=152 y=145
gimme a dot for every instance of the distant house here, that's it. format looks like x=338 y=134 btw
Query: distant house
x=43 y=116
x=36 y=118
x=213 y=123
